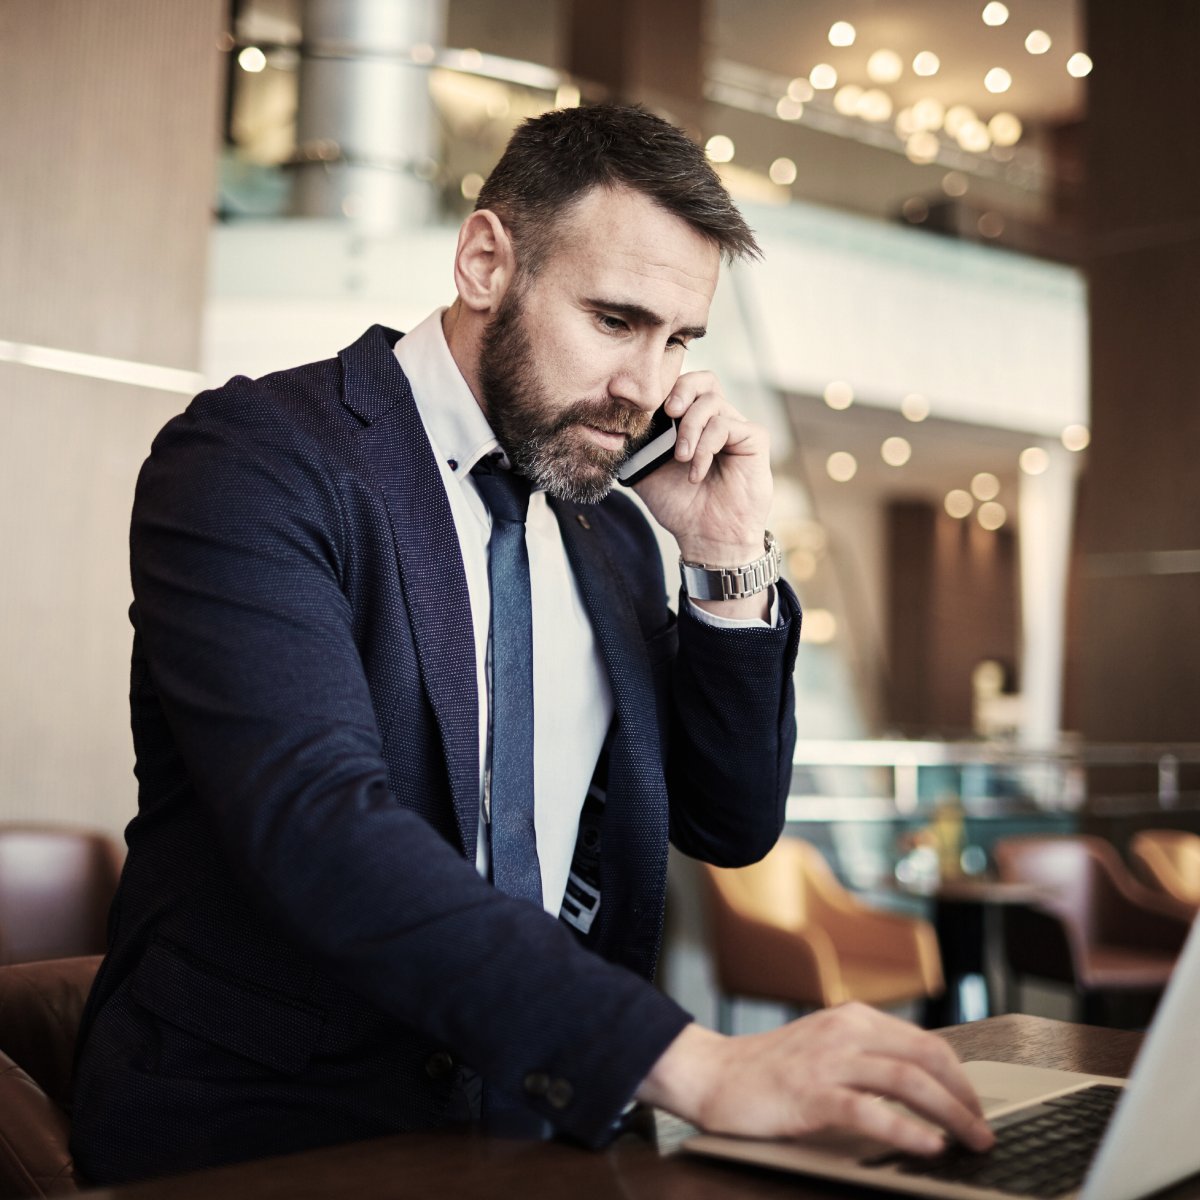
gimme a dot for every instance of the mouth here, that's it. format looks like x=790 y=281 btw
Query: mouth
x=609 y=439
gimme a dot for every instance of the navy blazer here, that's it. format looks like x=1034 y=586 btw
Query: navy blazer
x=301 y=950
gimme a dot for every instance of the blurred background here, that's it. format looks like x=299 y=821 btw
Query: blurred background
x=970 y=338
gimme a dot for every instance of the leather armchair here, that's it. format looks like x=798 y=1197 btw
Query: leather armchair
x=56 y=887
x=40 y=1007
x=1168 y=860
x=784 y=929
x=1097 y=928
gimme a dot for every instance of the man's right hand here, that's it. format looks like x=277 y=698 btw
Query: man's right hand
x=823 y=1072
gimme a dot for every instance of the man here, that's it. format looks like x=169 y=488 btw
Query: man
x=307 y=945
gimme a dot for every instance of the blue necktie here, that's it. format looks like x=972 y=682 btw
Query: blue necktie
x=515 y=868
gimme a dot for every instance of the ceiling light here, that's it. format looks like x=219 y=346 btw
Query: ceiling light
x=929 y=113
x=990 y=225
x=915 y=210
x=895 y=451
x=906 y=123
x=1038 y=41
x=1076 y=437
x=926 y=63
x=914 y=406
x=1005 y=129
x=992 y=515
x=567 y=96
x=922 y=147
x=997 y=80
x=875 y=105
x=719 y=148
x=995 y=13
x=839 y=394
x=842 y=33
x=1079 y=65
x=959 y=503
x=973 y=137
x=1033 y=460
x=800 y=89
x=957 y=117
x=985 y=486
x=471 y=185
x=846 y=99
x=801 y=565
x=823 y=77
x=252 y=59
x=954 y=183
x=841 y=467
x=788 y=109
x=783 y=172
x=884 y=66
x=819 y=627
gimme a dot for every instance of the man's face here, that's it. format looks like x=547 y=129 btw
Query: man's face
x=580 y=355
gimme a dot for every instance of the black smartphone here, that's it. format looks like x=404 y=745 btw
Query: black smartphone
x=658 y=448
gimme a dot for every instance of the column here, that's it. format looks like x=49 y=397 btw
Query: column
x=365 y=128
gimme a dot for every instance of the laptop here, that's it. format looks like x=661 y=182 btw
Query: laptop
x=1121 y=1138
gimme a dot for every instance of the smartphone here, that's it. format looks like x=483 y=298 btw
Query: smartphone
x=658 y=448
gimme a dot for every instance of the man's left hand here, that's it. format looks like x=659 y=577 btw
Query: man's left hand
x=715 y=495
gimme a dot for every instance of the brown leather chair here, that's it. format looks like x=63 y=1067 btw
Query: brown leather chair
x=40 y=1007
x=56 y=886
x=1168 y=860
x=1097 y=929
x=784 y=929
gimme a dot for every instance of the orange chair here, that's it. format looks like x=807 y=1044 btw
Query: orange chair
x=56 y=887
x=1168 y=860
x=785 y=930
x=40 y=1007
x=1097 y=928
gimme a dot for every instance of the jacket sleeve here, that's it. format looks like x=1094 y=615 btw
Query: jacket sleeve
x=239 y=548
x=732 y=732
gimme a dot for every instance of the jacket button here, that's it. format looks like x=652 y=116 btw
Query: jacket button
x=537 y=1083
x=439 y=1065
x=559 y=1093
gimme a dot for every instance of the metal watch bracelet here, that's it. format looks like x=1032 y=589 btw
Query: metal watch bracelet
x=704 y=582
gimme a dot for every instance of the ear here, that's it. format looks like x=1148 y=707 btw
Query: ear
x=484 y=263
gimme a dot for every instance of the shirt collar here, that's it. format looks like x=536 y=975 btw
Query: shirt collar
x=451 y=414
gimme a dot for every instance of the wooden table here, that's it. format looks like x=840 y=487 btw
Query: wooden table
x=446 y=1166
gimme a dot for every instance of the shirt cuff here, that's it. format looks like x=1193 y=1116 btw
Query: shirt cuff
x=708 y=618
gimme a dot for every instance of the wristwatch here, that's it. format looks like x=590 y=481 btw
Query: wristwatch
x=703 y=582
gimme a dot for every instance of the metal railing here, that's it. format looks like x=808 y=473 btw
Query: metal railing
x=882 y=779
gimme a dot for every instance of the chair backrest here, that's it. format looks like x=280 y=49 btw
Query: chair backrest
x=775 y=889
x=56 y=887
x=40 y=1008
x=1169 y=860
x=1071 y=869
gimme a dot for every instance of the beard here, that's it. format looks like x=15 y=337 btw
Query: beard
x=545 y=441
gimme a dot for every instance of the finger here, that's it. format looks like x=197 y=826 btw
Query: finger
x=692 y=424
x=710 y=443
x=860 y=1113
x=921 y=1092
x=885 y=1034
x=691 y=387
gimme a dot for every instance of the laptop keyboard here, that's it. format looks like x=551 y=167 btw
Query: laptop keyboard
x=1045 y=1153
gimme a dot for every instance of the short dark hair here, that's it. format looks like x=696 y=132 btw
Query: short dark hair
x=552 y=161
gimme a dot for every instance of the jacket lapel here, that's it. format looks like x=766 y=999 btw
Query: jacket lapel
x=398 y=454
x=635 y=827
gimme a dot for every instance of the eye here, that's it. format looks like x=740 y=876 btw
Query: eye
x=611 y=324
x=677 y=343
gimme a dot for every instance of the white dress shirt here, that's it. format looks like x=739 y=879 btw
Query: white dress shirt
x=573 y=703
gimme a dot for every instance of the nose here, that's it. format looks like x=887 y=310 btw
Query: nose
x=641 y=379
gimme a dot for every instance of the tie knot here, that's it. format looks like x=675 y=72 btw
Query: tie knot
x=504 y=492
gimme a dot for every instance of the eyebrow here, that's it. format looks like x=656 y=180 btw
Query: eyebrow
x=638 y=314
